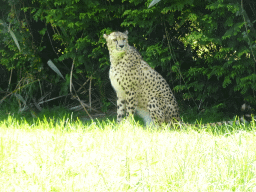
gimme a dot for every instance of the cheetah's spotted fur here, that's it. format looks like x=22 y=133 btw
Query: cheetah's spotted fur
x=138 y=87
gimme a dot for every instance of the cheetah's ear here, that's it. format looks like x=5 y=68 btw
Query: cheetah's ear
x=126 y=32
x=105 y=36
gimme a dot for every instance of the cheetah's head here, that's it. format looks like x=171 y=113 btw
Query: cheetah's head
x=117 y=41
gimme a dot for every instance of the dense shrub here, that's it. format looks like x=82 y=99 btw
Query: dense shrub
x=205 y=49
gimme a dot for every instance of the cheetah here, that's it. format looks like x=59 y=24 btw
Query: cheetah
x=139 y=87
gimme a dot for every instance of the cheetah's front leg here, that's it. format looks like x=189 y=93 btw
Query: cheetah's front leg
x=131 y=102
x=121 y=106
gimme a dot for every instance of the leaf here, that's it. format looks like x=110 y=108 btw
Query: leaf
x=14 y=38
x=54 y=68
x=153 y=3
x=42 y=32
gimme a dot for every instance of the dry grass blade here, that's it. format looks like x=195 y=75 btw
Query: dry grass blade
x=4 y=98
x=44 y=96
x=19 y=97
x=90 y=94
x=71 y=75
x=41 y=99
x=54 y=68
x=153 y=3
x=9 y=84
x=79 y=107
x=84 y=105
x=37 y=105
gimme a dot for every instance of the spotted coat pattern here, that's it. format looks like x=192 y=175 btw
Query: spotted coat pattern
x=138 y=87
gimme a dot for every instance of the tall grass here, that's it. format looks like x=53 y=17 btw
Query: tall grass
x=68 y=155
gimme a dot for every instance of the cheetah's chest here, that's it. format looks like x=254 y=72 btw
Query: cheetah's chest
x=115 y=80
x=123 y=79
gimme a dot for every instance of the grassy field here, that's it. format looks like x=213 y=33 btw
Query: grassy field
x=67 y=155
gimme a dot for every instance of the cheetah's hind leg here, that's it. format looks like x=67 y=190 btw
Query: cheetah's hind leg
x=156 y=113
x=172 y=116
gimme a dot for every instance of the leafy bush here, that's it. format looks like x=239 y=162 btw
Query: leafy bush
x=205 y=49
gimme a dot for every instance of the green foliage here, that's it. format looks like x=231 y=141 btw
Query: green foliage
x=205 y=49
x=226 y=51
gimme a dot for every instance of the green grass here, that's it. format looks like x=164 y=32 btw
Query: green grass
x=65 y=154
